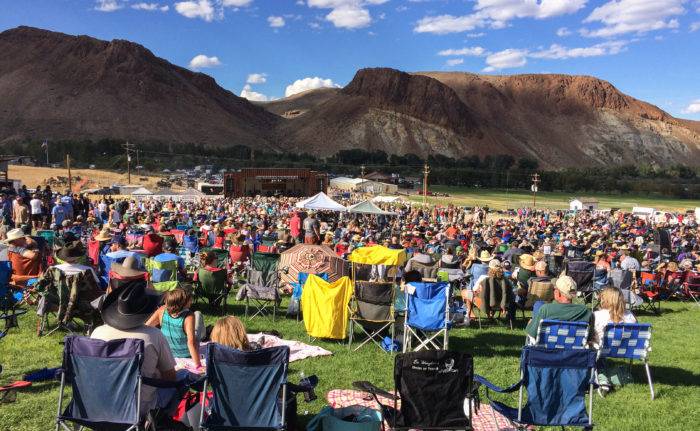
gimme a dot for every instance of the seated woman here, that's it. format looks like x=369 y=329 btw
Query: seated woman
x=182 y=328
x=229 y=331
x=612 y=310
x=493 y=293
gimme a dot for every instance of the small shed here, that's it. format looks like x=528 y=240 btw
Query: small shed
x=582 y=203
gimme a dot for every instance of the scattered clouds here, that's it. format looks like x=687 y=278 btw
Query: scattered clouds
x=454 y=62
x=558 y=52
x=475 y=35
x=275 y=21
x=693 y=108
x=695 y=26
x=256 y=78
x=201 y=61
x=301 y=85
x=506 y=59
x=348 y=14
x=108 y=5
x=254 y=96
x=150 y=7
x=496 y=14
x=563 y=32
x=203 y=9
x=472 y=51
x=633 y=16
x=236 y=3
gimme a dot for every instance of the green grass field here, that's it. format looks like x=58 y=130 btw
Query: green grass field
x=675 y=361
x=502 y=199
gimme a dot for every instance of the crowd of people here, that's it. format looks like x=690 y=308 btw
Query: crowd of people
x=499 y=263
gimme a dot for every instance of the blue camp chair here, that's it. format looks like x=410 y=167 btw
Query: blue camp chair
x=628 y=341
x=249 y=389
x=559 y=334
x=8 y=299
x=556 y=381
x=115 y=401
x=427 y=316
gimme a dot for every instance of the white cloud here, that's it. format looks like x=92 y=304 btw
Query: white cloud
x=249 y=94
x=475 y=35
x=275 y=21
x=236 y=3
x=558 y=52
x=472 y=51
x=150 y=7
x=256 y=78
x=496 y=14
x=203 y=9
x=454 y=62
x=695 y=26
x=349 y=14
x=693 y=108
x=633 y=16
x=201 y=61
x=563 y=32
x=506 y=59
x=108 y=5
x=301 y=85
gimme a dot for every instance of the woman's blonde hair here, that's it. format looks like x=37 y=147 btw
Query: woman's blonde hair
x=496 y=272
x=230 y=332
x=611 y=299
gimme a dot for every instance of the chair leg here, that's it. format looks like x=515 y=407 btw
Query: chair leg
x=651 y=384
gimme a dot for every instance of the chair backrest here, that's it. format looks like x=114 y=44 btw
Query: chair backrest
x=422 y=378
x=426 y=271
x=212 y=281
x=626 y=340
x=559 y=334
x=246 y=387
x=374 y=300
x=5 y=275
x=539 y=289
x=426 y=307
x=163 y=275
x=265 y=262
x=693 y=281
x=49 y=236
x=622 y=279
x=556 y=381
x=582 y=272
x=116 y=365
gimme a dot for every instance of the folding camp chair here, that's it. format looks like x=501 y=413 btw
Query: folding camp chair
x=163 y=275
x=8 y=303
x=673 y=283
x=649 y=289
x=435 y=388
x=49 y=236
x=222 y=256
x=628 y=341
x=583 y=273
x=559 y=334
x=213 y=286
x=427 y=316
x=114 y=403
x=372 y=309
x=262 y=285
x=556 y=381
x=249 y=389
x=691 y=287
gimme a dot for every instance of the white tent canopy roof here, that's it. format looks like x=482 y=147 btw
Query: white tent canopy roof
x=321 y=201
x=367 y=207
x=142 y=191
x=387 y=199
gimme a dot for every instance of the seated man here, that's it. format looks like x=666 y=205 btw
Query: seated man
x=561 y=308
x=125 y=312
x=539 y=288
x=25 y=256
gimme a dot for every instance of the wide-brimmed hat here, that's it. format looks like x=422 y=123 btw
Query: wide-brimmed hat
x=71 y=252
x=527 y=261
x=104 y=235
x=15 y=234
x=128 y=268
x=485 y=256
x=566 y=286
x=495 y=264
x=129 y=306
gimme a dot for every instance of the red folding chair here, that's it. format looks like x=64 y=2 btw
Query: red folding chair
x=650 y=291
x=673 y=283
x=691 y=287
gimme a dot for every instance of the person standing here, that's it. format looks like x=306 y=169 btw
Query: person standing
x=58 y=213
x=312 y=232
x=37 y=211
x=295 y=227
x=20 y=212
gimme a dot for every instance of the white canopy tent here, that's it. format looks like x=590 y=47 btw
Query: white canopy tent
x=321 y=202
x=387 y=199
x=367 y=207
x=142 y=191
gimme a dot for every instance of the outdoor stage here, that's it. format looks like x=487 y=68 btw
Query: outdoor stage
x=274 y=182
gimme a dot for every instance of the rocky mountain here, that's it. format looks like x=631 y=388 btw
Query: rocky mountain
x=76 y=87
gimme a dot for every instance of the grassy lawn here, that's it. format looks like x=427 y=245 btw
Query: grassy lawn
x=502 y=199
x=675 y=361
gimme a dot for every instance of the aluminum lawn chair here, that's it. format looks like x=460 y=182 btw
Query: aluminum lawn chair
x=628 y=341
x=559 y=334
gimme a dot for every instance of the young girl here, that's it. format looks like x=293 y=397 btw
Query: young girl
x=229 y=331
x=612 y=310
x=182 y=328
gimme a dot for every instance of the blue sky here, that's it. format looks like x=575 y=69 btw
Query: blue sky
x=266 y=49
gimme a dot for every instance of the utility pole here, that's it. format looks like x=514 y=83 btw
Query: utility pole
x=70 y=177
x=45 y=146
x=362 y=172
x=426 y=171
x=128 y=148
x=534 y=188
x=138 y=164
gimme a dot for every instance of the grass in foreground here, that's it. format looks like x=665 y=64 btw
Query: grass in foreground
x=502 y=199
x=674 y=360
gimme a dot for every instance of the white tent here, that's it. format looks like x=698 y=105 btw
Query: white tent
x=386 y=199
x=141 y=191
x=321 y=201
x=367 y=207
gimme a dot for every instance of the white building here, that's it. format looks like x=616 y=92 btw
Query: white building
x=360 y=185
x=579 y=204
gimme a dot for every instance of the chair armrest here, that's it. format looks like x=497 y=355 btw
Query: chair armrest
x=370 y=388
x=482 y=380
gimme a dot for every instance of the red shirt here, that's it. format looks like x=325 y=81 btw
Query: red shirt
x=295 y=226
x=152 y=244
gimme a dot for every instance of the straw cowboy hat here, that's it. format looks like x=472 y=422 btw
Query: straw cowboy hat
x=129 y=268
x=527 y=261
x=14 y=235
x=104 y=235
x=129 y=306
x=485 y=256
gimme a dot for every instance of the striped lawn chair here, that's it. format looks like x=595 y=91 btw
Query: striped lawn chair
x=628 y=341
x=559 y=334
